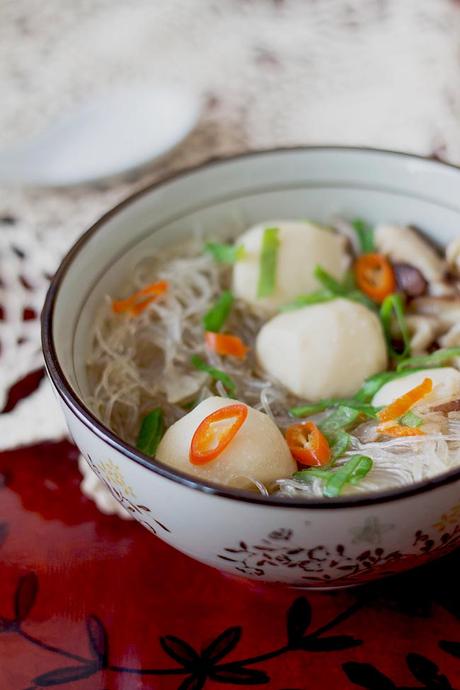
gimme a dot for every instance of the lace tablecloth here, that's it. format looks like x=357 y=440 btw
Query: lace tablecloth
x=270 y=72
x=93 y=603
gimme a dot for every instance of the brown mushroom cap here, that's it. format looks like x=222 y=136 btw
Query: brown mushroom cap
x=410 y=280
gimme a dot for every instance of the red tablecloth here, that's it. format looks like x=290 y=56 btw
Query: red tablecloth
x=92 y=602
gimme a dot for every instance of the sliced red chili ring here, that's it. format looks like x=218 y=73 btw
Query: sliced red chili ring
x=215 y=432
x=307 y=444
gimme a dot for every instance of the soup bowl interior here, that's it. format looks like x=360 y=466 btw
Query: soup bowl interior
x=309 y=543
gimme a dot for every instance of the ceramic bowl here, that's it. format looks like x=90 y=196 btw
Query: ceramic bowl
x=309 y=543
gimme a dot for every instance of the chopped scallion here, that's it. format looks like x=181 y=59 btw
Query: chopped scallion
x=313 y=473
x=216 y=374
x=339 y=444
x=307 y=300
x=393 y=304
x=328 y=281
x=365 y=234
x=352 y=472
x=225 y=253
x=268 y=262
x=151 y=432
x=411 y=419
x=435 y=359
x=315 y=408
x=359 y=296
x=349 y=281
x=341 y=419
x=363 y=408
x=374 y=383
x=215 y=318
x=332 y=288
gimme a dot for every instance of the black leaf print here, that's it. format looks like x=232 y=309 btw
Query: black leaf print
x=239 y=675
x=194 y=669
x=367 y=676
x=179 y=650
x=329 y=644
x=226 y=558
x=195 y=682
x=450 y=647
x=222 y=645
x=298 y=620
x=283 y=534
x=25 y=596
x=98 y=640
x=65 y=675
x=160 y=524
x=426 y=671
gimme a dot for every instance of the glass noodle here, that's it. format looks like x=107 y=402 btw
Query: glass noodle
x=159 y=360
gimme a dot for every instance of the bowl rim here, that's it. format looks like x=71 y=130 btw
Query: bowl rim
x=76 y=405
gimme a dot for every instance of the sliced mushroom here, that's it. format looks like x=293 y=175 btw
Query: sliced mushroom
x=423 y=330
x=445 y=309
x=452 y=337
x=442 y=289
x=452 y=406
x=410 y=280
x=404 y=244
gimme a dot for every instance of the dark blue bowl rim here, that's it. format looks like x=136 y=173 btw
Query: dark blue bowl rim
x=82 y=412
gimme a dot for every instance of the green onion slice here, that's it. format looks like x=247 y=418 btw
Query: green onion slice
x=352 y=472
x=436 y=359
x=349 y=281
x=328 y=281
x=151 y=432
x=358 y=296
x=342 y=418
x=346 y=288
x=268 y=262
x=373 y=384
x=365 y=234
x=225 y=253
x=307 y=300
x=314 y=408
x=215 y=318
x=363 y=397
x=216 y=374
x=411 y=419
x=320 y=296
x=339 y=444
x=332 y=289
x=312 y=473
x=393 y=304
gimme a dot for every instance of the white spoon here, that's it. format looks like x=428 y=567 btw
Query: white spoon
x=110 y=135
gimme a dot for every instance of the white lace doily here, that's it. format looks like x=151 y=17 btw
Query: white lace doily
x=271 y=73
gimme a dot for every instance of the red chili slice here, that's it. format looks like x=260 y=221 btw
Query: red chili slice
x=307 y=444
x=138 y=301
x=215 y=433
x=375 y=276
